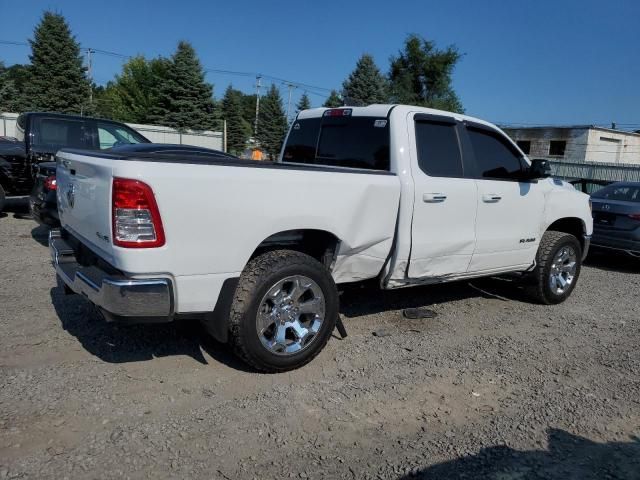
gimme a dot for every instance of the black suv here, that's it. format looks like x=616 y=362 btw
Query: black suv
x=39 y=135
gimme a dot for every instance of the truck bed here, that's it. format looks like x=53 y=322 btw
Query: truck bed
x=216 y=212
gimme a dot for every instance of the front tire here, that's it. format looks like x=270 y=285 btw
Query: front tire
x=558 y=265
x=284 y=310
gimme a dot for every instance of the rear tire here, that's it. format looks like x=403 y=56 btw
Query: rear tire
x=284 y=310
x=558 y=264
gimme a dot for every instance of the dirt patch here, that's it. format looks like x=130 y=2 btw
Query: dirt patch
x=492 y=387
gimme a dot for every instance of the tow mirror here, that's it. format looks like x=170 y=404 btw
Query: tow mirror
x=540 y=168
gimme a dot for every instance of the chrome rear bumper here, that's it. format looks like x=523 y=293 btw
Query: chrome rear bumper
x=117 y=295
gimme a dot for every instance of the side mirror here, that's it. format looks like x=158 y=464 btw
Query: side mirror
x=540 y=168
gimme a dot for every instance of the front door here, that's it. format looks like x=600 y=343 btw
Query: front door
x=510 y=208
x=445 y=203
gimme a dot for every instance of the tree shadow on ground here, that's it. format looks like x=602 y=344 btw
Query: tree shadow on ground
x=118 y=343
x=568 y=457
x=612 y=261
x=367 y=298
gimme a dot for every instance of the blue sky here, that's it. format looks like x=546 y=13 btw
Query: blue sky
x=532 y=62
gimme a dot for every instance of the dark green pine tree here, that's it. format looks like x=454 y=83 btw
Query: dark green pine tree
x=57 y=79
x=185 y=100
x=272 y=122
x=238 y=129
x=365 y=85
x=248 y=107
x=304 y=103
x=333 y=100
x=421 y=75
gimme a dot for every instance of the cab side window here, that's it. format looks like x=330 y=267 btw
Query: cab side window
x=495 y=158
x=438 y=149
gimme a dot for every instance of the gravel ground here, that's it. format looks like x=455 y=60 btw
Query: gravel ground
x=493 y=387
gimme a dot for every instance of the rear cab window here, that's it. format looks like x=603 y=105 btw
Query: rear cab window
x=55 y=133
x=339 y=141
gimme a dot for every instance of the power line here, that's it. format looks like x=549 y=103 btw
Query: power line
x=9 y=42
x=314 y=90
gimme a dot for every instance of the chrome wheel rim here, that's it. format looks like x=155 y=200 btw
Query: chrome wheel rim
x=290 y=315
x=563 y=270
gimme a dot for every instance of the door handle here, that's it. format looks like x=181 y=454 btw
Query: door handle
x=491 y=198
x=433 y=197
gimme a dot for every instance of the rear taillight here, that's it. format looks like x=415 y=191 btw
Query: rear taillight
x=50 y=183
x=635 y=216
x=135 y=215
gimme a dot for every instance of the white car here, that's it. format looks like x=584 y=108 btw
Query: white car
x=406 y=195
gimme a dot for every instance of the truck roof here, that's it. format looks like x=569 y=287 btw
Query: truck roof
x=67 y=116
x=383 y=110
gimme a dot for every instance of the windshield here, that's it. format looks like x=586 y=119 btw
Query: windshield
x=112 y=135
x=625 y=193
x=355 y=142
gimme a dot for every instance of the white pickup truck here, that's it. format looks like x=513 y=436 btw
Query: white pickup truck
x=405 y=195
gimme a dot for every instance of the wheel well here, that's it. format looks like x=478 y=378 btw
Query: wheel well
x=573 y=226
x=319 y=244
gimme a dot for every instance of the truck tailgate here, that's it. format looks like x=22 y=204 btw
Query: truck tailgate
x=84 y=199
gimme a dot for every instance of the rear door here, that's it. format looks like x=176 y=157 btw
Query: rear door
x=445 y=202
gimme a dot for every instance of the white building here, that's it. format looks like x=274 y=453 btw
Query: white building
x=579 y=144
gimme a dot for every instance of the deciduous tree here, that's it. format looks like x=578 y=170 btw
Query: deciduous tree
x=421 y=75
x=133 y=94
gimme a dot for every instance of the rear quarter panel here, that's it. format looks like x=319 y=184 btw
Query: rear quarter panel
x=216 y=216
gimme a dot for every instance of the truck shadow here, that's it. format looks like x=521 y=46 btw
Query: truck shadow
x=568 y=457
x=613 y=262
x=40 y=234
x=365 y=299
x=117 y=343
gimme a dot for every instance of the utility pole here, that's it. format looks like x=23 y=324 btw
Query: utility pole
x=290 y=86
x=258 y=85
x=224 y=135
x=90 y=74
